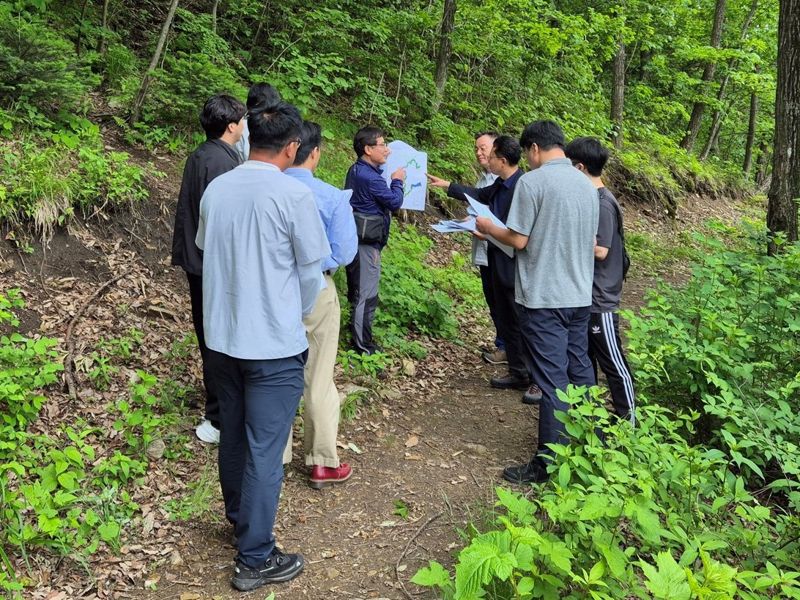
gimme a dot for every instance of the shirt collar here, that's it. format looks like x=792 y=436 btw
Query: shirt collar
x=257 y=164
x=557 y=161
x=300 y=172
x=511 y=181
x=378 y=170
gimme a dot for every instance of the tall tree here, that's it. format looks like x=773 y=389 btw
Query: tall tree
x=445 y=48
x=102 y=42
x=784 y=191
x=618 y=92
x=136 y=111
x=708 y=76
x=214 y=9
x=751 y=135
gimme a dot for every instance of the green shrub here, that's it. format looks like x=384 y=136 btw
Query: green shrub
x=726 y=345
x=38 y=67
x=629 y=513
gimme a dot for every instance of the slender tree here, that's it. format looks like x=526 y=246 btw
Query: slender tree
x=214 y=10
x=751 y=135
x=618 y=92
x=136 y=111
x=102 y=42
x=445 y=48
x=784 y=191
x=708 y=76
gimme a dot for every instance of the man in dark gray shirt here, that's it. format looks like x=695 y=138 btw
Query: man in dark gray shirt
x=605 y=347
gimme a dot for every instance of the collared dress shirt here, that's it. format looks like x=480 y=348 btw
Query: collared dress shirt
x=337 y=218
x=263 y=245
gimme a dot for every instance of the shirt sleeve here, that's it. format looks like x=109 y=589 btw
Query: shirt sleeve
x=606 y=226
x=343 y=237
x=310 y=284
x=460 y=192
x=309 y=242
x=200 y=238
x=389 y=197
x=524 y=208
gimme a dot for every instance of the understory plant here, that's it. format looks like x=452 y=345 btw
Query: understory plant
x=629 y=513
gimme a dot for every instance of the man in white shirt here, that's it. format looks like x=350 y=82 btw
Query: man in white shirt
x=263 y=244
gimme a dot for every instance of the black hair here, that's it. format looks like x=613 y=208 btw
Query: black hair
x=218 y=112
x=491 y=134
x=272 y=128
x=507 y=147
x=262 y=95
x=310 y=138
x=589 y=152
x=545 y=134
x=366 y=136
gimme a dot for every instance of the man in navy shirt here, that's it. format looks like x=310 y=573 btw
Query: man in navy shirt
x=373 y=203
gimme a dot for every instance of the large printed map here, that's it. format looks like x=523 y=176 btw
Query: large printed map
x=416 y=165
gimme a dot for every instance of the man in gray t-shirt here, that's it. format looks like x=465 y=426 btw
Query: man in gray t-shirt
x=605 y=346
x=552 y=224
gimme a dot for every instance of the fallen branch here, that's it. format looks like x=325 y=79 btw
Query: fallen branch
x=69 y=360
x=408 y=545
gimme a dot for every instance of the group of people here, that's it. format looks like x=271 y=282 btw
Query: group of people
x=260 y=237
x=553 y=302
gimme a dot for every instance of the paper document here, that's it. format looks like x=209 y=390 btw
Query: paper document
x=481 y=210
x=415 y=187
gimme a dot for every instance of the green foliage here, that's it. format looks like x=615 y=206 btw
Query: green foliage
x=38 y=66
x=366 y=365
x=629 y=513
x=726 y=345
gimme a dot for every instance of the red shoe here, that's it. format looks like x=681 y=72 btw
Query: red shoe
x=322 y=477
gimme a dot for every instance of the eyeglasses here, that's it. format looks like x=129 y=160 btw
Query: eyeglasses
x=297 y=141
x=381 y=145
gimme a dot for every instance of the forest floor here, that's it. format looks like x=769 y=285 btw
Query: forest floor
x=427 y=448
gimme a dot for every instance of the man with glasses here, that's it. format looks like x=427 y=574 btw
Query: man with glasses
x=373 y=203
x=263 y=245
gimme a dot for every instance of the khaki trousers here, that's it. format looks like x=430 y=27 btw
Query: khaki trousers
x=320 y=396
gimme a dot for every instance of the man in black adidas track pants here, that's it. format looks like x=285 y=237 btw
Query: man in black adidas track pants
x=605 y=347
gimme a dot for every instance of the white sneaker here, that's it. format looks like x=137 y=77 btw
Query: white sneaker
x=207 y=433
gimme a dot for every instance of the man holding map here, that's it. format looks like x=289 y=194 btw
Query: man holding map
x=373 y=203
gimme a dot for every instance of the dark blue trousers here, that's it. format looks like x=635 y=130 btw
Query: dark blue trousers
x=558 y=342
x=258 y=400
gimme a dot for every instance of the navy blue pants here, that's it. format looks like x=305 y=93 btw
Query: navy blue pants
x=557 y=340
x=488 y=294
x=258 y=400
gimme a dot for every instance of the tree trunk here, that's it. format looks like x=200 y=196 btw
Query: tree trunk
x=445 y=47
x=103 y=42
x=784 y=191
x=618 y=93
x=716 y=119
x=81 y=23
x=214 y=9
x=136 y=111
x=751 y=135
x=708 y=75
x=258 y=32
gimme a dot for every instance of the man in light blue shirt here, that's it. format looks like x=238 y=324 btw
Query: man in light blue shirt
x=321 y=398
x=263 y=245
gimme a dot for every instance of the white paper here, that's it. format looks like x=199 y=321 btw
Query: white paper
x=415 y=163
x=481 y=210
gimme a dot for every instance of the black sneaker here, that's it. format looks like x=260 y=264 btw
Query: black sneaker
x=531 y=472
x=533 y=395
x=278 y=568
x=510 y=382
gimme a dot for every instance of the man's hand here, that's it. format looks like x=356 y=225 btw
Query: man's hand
x=437 y=181
x=400 y=174
x=484 y=225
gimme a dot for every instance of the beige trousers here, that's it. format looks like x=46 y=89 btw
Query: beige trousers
x=320 y=396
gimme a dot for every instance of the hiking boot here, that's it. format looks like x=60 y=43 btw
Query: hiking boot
x=510 y=382
x=533 y=395
x=206 y=432
x=498 y=357
x=322 y=477
x=278 y=568
x=530 y=472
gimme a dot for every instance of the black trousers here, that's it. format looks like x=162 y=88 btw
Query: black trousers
x=488 y=294
x=508 y=328
x=605 y=350
x=196 y=296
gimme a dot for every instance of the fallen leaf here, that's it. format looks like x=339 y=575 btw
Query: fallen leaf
x=412 y=441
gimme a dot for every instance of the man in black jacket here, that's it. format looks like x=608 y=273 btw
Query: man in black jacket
x=503 y=161
x=222 y=119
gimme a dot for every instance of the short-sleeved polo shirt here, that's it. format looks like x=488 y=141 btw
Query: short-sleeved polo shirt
x=556 y=206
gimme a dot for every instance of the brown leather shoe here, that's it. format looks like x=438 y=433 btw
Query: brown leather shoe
x=498 y=357
x=322 y=477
